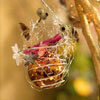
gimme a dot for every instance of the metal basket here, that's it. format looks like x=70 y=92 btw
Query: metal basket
x=50 y=70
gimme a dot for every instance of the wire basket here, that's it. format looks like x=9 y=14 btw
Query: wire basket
x=51 y=65
x=47 y=50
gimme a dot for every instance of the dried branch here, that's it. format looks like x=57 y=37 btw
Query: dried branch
x=92 y=14
x=86 y=32
x=86 y=10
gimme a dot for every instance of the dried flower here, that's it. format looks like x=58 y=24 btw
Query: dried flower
x=16 y=54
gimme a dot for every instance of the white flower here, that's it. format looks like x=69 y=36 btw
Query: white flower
x=17 y=55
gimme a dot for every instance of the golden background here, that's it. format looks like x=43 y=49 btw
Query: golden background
x=13 y=84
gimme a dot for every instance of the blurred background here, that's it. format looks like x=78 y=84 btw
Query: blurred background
x=81 y=83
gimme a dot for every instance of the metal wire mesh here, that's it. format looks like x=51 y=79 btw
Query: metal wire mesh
x=49 y=52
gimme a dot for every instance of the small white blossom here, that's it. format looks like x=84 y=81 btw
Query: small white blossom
x=16 y=54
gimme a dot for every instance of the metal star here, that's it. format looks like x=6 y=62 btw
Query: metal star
x=30 y=58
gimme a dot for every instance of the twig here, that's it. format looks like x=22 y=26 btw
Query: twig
x=92 y=14
x=81 y=8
